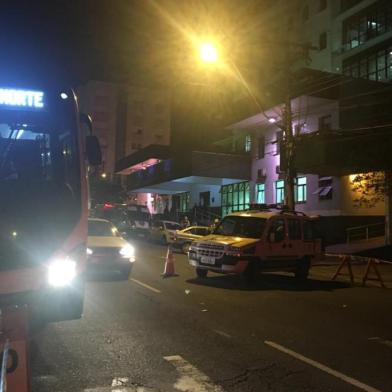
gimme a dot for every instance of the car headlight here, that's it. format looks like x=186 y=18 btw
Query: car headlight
x=61 y=272
x=89 y=251
x=128 y=252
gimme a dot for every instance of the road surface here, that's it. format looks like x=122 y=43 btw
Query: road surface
x=150 y=334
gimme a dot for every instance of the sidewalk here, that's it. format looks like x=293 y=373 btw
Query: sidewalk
x=357 y=246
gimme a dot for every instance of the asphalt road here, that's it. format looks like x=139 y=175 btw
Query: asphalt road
x=151 y=334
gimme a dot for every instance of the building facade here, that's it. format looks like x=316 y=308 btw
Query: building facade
x=353 y=37
x=100 y=101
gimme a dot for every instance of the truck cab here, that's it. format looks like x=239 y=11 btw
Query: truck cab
x=248 y=242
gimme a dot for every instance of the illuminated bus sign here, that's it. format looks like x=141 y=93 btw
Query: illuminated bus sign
x=27 y=99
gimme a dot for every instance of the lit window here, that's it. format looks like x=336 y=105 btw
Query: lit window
x=279 y=191
x=260 y=193
x=300 y=190
x=248 y=143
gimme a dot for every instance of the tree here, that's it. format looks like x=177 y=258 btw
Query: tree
x=369 y=189
x=372 y=188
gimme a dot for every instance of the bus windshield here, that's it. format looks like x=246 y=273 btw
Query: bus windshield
x=35 y=154
x=40 y=192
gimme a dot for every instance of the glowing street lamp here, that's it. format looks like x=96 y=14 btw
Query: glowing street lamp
x=208 y=52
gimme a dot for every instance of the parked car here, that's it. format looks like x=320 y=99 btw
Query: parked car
x=132 y=220
x=164 y=231
x=107 y=250
x=251 y=241
x=184 y=237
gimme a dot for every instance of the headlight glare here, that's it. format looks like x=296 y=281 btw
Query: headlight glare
x=61 y=272
x=127 y=251
x=89 y=251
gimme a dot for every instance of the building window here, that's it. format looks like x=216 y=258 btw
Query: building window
x=322 y=5
x=184 y=201
x=279 y=191
x=325 y=123
x=234 y=197
x=260 y=193
x=300 y=190
x=324 y=191
x=305 y=13
x=323 y=41
x=367 y=24
x=248 y=143
x=261 y=147
x=375 y=65
x=279 y=138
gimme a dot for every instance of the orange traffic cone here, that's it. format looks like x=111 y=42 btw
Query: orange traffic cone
x=169 y=264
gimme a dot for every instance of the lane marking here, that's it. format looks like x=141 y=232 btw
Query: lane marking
x=145 y=285
x=385 y=342
x=119 y=381
x=191 y=379
x=322 y=367
x=222 y=333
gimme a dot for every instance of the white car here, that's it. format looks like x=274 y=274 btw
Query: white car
x=164 y=231
x=106 y=249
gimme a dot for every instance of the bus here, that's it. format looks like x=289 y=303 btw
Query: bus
x=43 y=200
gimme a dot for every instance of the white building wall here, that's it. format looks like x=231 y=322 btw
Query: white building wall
x=306 y=111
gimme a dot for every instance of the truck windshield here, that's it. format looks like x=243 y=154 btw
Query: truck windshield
x=241 y=226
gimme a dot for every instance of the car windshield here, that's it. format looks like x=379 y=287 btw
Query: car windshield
x=172 y=226
x=241 y=226
x=101 y=229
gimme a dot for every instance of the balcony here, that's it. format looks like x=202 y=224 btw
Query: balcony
x=195 y=164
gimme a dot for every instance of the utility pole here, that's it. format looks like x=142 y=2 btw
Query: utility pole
x=289 y=150
x=289 y=147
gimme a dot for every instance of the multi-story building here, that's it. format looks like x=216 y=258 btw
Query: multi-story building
x=126 y=119
x=100 y=101
x=353 y=37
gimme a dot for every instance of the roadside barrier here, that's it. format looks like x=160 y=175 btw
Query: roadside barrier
x=169 y=264
x=371 y=264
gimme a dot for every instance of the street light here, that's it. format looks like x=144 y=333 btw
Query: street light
x=208 y=52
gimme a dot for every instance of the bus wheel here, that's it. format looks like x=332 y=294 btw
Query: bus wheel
x=201 y=273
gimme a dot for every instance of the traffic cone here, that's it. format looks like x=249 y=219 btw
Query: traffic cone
x=169 y=264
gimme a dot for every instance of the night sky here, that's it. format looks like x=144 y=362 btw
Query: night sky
x=117 y=40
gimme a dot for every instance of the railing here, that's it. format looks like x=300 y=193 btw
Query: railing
x=365 y=232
